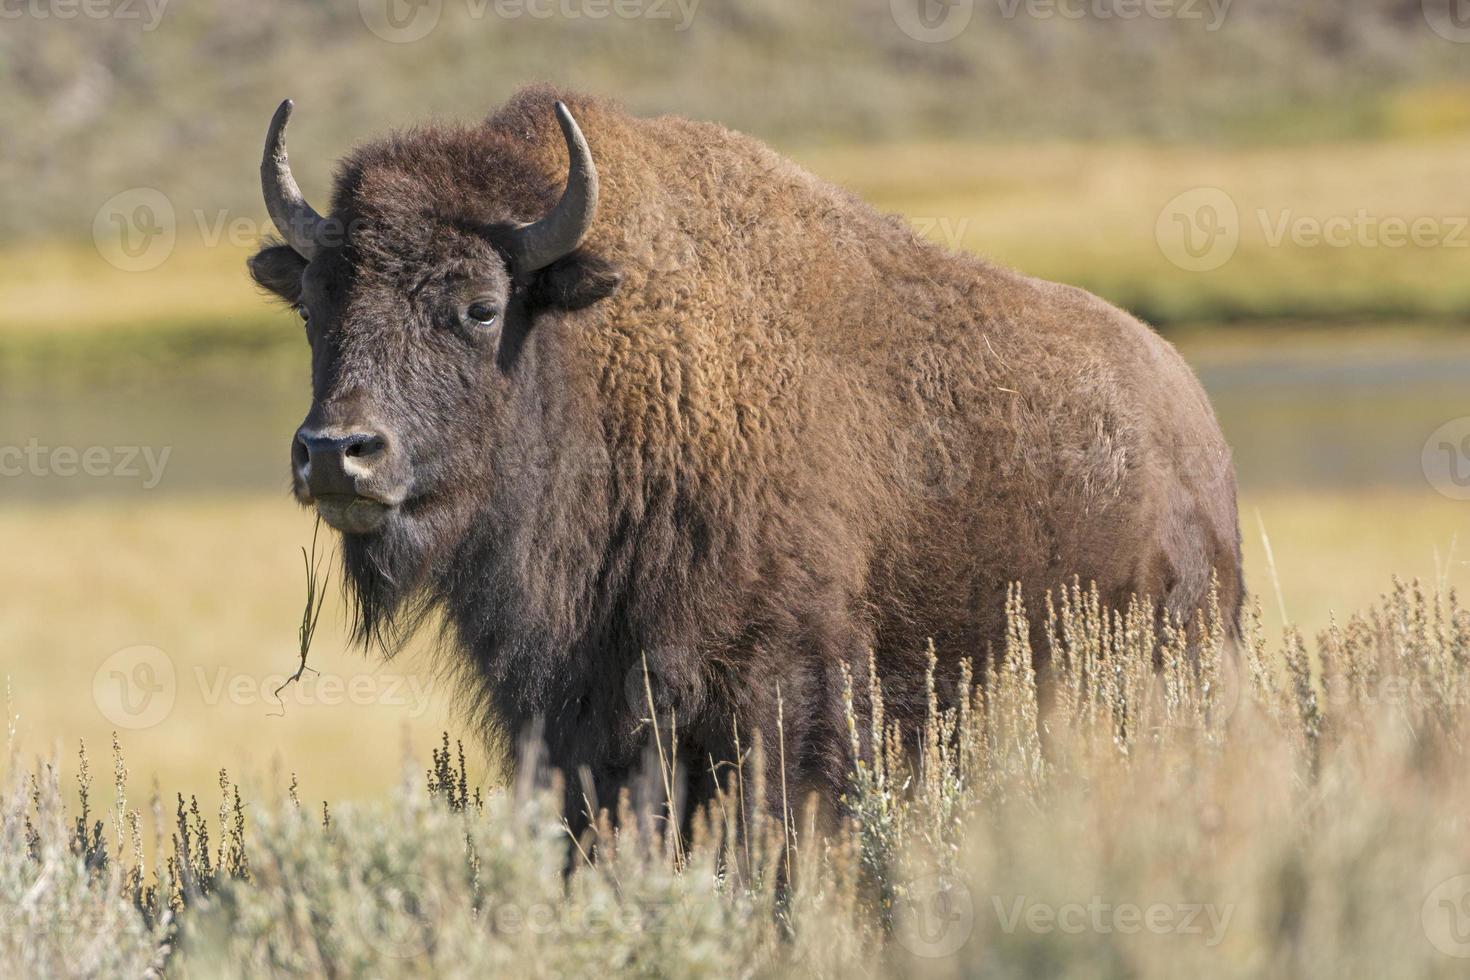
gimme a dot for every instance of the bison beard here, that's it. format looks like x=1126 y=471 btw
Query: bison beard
x=387 y=584
x=728 y=437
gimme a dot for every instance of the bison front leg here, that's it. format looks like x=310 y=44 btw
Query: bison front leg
x=652 y=793
x=786 y=741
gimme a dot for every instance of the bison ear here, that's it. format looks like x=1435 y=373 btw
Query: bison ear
x=574 y=281
x=279 y=268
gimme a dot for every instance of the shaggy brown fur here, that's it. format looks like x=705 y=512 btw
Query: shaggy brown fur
x=751 y=429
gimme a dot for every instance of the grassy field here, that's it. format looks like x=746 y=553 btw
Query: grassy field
x=1279 y=188
x=1088 y=214
x=216 y=587
x=1107 y=217
x=1322 y=835
x=1290 y=816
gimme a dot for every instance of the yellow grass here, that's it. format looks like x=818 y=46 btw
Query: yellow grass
x=1334 y=553
x=1261 y=817
x=1089 y=214
x=71 y=287
x=217 y=586
x=1079 y=213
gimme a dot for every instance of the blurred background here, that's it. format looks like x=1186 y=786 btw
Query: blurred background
x=1279 y=187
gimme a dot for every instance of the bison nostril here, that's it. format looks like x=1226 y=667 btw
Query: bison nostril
x=366 y=446
x=336 y=464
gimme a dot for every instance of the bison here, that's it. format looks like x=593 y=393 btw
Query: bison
x=639 y=405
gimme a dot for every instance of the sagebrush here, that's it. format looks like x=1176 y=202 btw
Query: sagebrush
x=1271 y=811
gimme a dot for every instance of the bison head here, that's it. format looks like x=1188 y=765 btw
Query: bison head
x=418 y=293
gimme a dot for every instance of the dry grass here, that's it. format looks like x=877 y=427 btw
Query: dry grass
x=1240 y=812
x=1078 y=213
x=1086 y=214
x=216 y=584
x=71 y=288
x=1330 y=549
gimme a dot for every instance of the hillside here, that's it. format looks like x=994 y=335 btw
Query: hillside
x=161 y=94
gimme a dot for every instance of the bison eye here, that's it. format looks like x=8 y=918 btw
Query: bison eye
x=483 y=314
x=303 y=312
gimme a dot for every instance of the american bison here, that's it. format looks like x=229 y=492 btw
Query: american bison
x=604 y=391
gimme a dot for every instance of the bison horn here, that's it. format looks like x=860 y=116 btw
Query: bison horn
x=297 y=222
x=541 y=243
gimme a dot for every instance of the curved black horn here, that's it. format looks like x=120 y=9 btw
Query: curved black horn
x=541 y=243
x=293 y=217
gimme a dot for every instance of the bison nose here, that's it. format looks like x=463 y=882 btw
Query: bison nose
x=336 y=463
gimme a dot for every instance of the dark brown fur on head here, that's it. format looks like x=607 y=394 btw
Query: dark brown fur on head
x=749 y=430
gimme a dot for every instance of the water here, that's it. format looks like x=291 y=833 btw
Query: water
x=1321 y=421
x=168 y=439
x=1331 y=421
